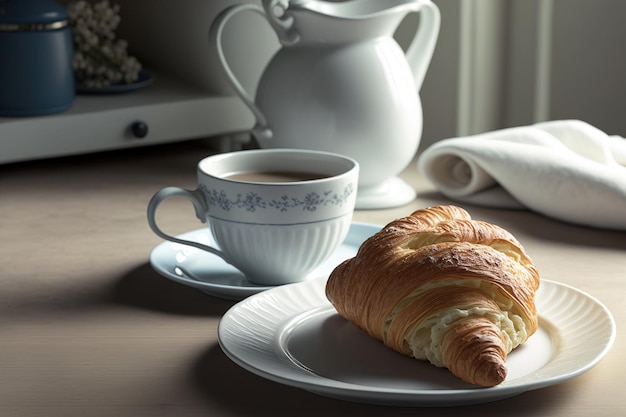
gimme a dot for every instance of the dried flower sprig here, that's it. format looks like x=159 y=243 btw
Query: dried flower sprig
x=100 y=58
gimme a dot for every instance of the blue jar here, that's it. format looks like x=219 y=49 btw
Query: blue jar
x=36 y=75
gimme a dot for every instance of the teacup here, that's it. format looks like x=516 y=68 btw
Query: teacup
x=275 y=214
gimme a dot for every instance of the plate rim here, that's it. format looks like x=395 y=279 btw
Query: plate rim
x=397 y=396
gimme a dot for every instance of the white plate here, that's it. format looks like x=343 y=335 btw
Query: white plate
x=294 y=336
x=209 y=273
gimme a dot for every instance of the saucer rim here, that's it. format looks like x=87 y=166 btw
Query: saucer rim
x=224 y=290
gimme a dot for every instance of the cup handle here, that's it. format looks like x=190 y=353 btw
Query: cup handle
x=197 y=198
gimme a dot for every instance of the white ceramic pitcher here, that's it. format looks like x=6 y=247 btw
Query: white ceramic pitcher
x=341 y=83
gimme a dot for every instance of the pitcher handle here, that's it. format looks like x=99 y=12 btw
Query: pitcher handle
x=217 y=29
x=420 y=51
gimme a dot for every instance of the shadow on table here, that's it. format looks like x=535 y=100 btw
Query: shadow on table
x=238 y=392
x=144 y=288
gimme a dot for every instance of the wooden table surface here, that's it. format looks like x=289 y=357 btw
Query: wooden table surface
x=88 y=328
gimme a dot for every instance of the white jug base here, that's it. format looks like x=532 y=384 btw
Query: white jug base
x=392 y=192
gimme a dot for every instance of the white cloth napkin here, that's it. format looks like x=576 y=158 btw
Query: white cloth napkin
x=564 y=169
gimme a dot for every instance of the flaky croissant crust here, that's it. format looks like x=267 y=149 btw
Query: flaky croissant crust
x=439 y=286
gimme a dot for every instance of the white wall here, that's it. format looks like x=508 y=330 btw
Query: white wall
x=503 y=63
x=588 y=78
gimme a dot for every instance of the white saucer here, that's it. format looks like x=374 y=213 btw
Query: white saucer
x=210 y=274
x=293 y=335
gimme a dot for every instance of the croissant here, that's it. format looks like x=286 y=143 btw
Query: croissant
x=439 y=286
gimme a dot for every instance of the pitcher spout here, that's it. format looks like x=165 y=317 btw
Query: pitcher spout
x=322 y=21
x=354 y=9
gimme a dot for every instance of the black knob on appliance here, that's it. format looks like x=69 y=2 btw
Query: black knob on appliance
x=139 y=129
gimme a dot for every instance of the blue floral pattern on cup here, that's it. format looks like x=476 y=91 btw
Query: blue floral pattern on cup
x=252 y=202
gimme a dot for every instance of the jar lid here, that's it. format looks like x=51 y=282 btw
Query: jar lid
x=32 y=15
